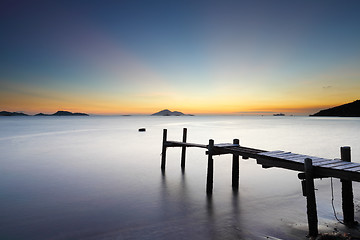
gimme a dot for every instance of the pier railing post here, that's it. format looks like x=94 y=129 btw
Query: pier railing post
x=310 y=199
x=183 y=150
x=347 y=192
x=163 y=152
x=210 y=169
x=235 y=169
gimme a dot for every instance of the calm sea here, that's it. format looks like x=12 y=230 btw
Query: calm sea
x=99 y=178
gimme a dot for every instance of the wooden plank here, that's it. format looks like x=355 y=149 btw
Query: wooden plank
x=293 y=160
x=281 y=164
x=281 y=155
x=350 y=165
x=300 y=158
x=317 y=158
x=336 y=164
x=270 y=153
x=314 y=159
x=347 y=175
x=321 y=164
x=355 y=169
x=181 y=144
x=295 y=156
x=278 y=155
x=226 y=145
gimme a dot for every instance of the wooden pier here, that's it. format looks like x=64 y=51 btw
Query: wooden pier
x=310 y=168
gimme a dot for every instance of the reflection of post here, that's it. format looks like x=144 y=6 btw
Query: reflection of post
x=183 y=150
x=310 y=199
x=210 y=170
x=163 y=153
x=235 y=169
x=347 y=192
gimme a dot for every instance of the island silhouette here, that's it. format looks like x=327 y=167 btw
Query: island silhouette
x=346 y=110
x=167 y=112
x=58 y=113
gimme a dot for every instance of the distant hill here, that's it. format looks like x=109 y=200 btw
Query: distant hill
x=58 y=113
x=167 y=112
x=66 y=113
x=5 y=113
x=346 y=110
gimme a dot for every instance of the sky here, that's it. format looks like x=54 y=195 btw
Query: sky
x=199 y=57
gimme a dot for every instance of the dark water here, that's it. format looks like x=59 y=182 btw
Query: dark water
x=99 y=178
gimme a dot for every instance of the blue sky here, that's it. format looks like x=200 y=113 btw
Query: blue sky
x=194 y=56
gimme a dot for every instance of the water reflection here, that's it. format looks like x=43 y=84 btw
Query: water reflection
x=200 y=215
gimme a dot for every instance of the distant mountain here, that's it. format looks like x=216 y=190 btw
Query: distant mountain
x=167 y=112
x=66 y=113
x=58 y=113
x=346 y=110
x=5 y=113
x=42 y=114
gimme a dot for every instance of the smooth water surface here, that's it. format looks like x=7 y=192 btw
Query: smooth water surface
x=99 y=178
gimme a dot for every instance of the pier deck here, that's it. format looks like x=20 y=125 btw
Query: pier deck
x=311 y=167
x=324 y=167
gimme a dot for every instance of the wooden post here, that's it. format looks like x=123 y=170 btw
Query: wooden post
x=347 y=192
x=235 y=169
x=210 y=169
x=163 y=153
x=310 y=199
x=183 y=150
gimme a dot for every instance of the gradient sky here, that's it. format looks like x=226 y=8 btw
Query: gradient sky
x=200 y=57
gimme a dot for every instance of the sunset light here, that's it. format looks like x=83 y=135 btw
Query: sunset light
x=237 y=57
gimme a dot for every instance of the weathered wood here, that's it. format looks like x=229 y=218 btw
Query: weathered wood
x=310 y=199
x=272 y=153
x=336 y=173
x=226 y=145
x=284 y=155
x=266 y=167
x=163 y=152
x=342 y=163
x=210 y=169
x=355 y=169
x=318 y=160
x=235 y=168
x=183 y=149
x=324 y=163
x=302 y=176
x=182 y=144
x=301 y=158
x=266 y=161
x=303 y=187
x=294 y=157
x=348 y=166
x=347 y=192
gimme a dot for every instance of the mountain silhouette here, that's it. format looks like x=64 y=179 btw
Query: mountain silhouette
x=58 y=113
x=6 y=113
x=346 y=110
x=167 y=112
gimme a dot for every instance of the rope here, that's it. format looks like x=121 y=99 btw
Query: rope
x=332 y=201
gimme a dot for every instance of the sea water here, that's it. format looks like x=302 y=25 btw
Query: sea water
x=98 y=177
